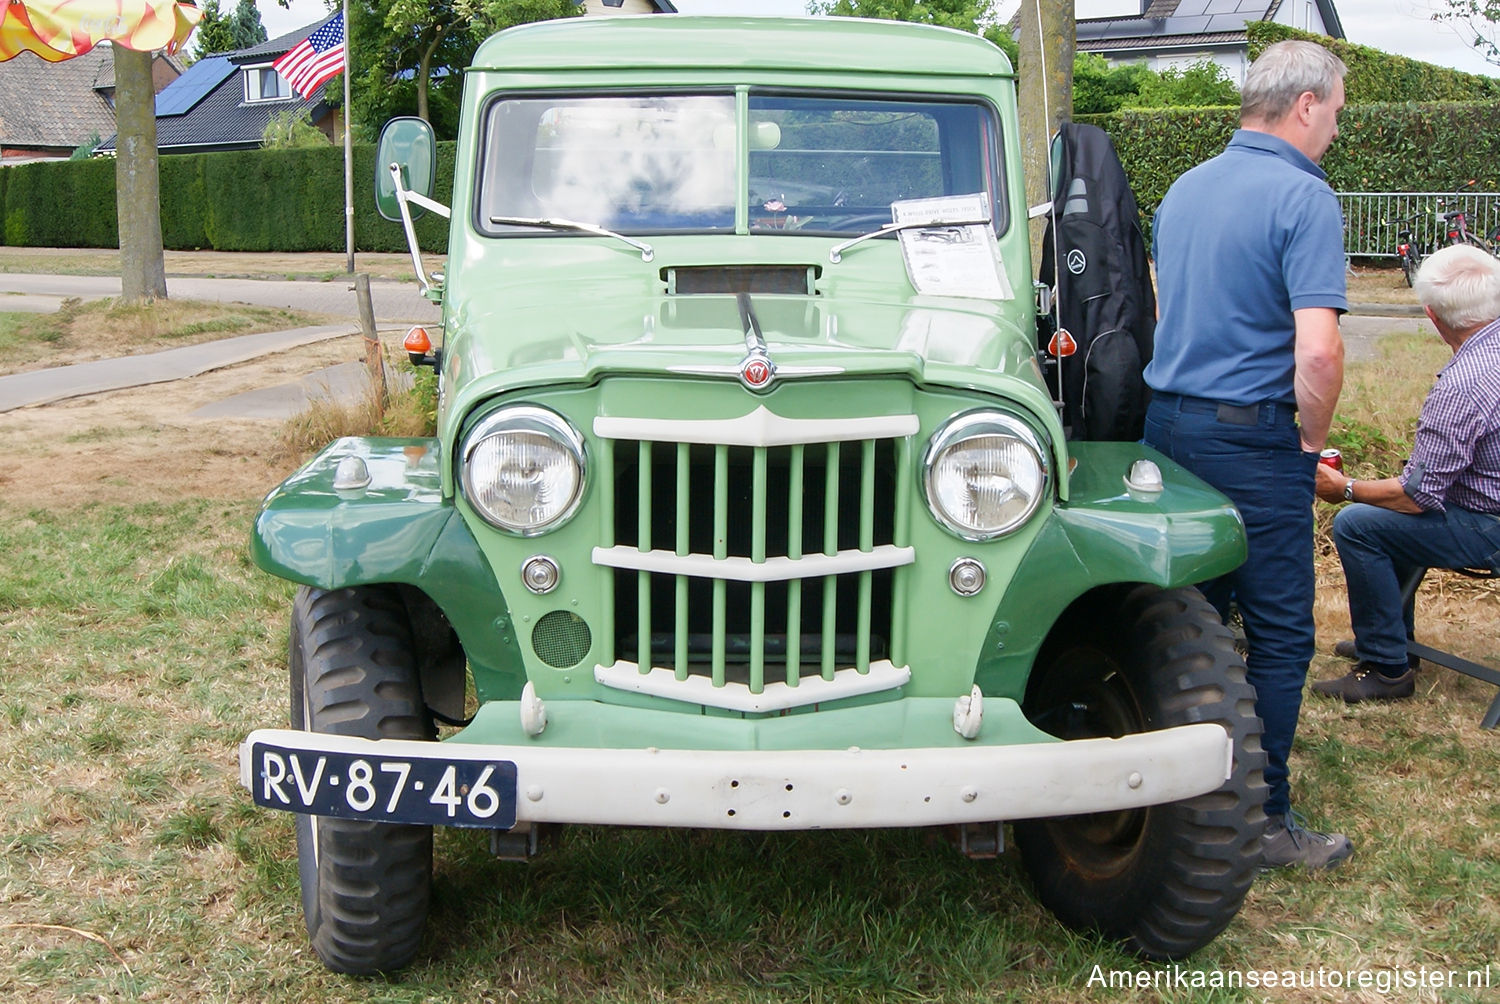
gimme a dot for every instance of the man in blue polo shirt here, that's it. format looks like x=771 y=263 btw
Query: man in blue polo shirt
x=1443 y=509
x=1247 y=369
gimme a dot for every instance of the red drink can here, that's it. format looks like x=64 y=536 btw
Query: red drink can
x=1333 y=458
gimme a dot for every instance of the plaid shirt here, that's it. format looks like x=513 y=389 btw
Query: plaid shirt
x=1456 y=458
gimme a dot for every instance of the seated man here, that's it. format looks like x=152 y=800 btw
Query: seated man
x=1443 y=511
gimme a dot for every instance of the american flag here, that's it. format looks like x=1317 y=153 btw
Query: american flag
x=315 y=59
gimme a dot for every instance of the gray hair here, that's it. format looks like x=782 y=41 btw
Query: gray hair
x=1461 y=285
x=1282 y=73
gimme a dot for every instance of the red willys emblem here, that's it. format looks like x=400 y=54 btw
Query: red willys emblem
x=756 y=372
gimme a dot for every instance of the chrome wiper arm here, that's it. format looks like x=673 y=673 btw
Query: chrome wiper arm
x=552 y=223
x=835 y=253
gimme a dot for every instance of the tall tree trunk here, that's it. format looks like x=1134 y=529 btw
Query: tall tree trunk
x=1046 y=93
x=143 y=271
x=424 y=69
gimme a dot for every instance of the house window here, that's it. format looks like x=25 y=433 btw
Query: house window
x=263 y=83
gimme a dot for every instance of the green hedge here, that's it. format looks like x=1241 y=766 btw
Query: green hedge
x=1377 y=77
x=67 y=203
x=248 y=200
x=1381 y=148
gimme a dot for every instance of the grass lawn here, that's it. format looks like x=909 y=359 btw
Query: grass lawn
x=140 y=646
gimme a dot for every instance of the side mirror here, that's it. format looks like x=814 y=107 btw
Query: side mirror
x=408 y=142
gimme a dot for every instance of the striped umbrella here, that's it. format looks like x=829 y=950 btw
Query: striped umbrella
x=62 y=29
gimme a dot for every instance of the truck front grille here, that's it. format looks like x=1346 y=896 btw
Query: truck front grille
x=755 y=574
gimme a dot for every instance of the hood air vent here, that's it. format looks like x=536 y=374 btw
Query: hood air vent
x=796 y=280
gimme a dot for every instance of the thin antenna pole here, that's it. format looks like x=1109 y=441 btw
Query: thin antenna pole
x=348 y=155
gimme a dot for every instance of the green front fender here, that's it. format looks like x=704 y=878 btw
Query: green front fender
x=398 y=529
x=1106 y=534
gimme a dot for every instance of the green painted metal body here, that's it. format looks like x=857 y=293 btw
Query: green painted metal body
x=581 y=325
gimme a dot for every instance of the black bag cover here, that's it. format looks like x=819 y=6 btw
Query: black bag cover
x=1103 y=295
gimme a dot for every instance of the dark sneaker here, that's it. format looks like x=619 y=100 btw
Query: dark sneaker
x=1365 y=683
x=1287 y=843
x=1345 y=650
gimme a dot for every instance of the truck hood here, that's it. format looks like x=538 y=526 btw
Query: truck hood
x=495 y=349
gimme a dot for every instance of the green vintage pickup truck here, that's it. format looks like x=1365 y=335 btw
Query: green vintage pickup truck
x=749 y=506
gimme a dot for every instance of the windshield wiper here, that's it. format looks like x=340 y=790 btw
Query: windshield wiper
x=586 y=228
x=835 y=253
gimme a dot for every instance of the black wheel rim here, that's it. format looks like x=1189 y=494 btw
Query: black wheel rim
x=1087 y=697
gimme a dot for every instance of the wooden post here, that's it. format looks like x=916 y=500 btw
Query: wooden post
x=374 y=358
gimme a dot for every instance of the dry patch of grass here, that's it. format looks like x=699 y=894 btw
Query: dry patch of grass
x=1380 y=285
x=409 y=411
x=108 y=328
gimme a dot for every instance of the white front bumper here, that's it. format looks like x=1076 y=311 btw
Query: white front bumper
x=826 y=789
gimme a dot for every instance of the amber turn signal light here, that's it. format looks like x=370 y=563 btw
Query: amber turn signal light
x=418 y=347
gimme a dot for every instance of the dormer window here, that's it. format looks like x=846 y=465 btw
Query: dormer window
x=263 y=83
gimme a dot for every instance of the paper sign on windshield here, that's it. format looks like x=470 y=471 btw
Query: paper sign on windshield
x=947 y=258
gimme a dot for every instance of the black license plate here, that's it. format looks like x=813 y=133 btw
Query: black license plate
x=391 y=789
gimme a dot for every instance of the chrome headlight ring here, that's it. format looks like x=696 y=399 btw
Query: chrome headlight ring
x=524 y=469
x=984 y=474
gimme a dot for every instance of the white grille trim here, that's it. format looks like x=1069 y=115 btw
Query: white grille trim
x=762 y=427
x=777 y=696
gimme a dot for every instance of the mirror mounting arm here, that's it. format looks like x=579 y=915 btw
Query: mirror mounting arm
x=404 y=198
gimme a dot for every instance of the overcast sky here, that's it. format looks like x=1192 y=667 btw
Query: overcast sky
x=1400 y=26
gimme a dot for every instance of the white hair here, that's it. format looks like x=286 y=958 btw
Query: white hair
x=1461 y=285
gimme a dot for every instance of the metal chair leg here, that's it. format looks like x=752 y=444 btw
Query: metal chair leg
x=1449 y=660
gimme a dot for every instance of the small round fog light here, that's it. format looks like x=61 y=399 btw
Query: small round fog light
x=966 y=576
x=540 y=573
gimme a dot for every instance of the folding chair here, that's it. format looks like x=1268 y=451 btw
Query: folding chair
x=1447 y=659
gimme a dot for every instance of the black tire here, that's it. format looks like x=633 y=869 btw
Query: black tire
x=1164 y=880
x=1409 y=268
x=365 y=886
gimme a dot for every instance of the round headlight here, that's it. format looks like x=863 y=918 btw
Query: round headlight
x=985 y=475
x=523 y=469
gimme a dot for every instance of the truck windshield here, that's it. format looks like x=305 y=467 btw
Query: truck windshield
x=662 y=163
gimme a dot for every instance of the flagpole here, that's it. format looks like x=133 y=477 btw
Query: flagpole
x=348 y=154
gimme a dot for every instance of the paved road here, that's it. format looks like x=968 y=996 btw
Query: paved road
x=395 y=301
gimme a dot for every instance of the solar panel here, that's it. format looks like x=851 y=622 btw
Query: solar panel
x=201 y=78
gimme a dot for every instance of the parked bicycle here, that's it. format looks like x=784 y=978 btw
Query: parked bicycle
x=1453 y=227
x=1408 y=249
x=1447 y=227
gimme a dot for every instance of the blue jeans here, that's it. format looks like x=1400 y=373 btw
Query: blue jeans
x=1380 y=549
x=1257 y=460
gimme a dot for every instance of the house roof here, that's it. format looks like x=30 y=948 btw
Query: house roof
x=268 y=50
x=60 y=104
x=1171 y=23
x=205 y=108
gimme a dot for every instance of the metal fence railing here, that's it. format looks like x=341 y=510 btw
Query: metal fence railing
x=1371 y=218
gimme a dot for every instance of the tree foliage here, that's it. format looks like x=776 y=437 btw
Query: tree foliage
x=408 y=55
x=977 y=17
x=225 y=32
x=1204 y=84
x=1100 y=88
x=1479 y=19
x=292 y=129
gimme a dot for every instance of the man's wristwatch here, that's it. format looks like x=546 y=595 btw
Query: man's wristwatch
x=1349 y=490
